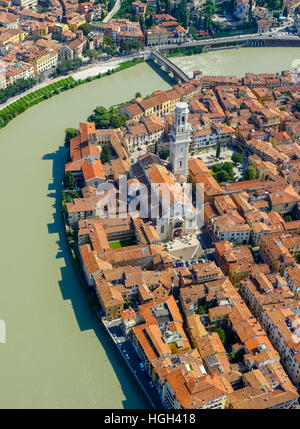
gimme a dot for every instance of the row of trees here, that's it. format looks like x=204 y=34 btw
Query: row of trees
x=19 y=86
x=185 y=50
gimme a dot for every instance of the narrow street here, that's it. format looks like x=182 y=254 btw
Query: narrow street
x=132 y=359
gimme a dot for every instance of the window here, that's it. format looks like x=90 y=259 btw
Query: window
x=162 y=229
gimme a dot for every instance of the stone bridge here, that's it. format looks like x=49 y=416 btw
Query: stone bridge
x=170 y=67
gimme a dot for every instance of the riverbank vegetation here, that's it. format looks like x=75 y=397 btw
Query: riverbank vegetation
x=107 y=118
x=185 y=50
x=19 y=106
x=22 y=104
x=16 y=88
x=69 y=134
x=67 y=197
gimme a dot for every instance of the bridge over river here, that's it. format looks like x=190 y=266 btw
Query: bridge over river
x=157 y=54
x=170 y=67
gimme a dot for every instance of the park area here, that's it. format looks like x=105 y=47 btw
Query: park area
x=232 y=160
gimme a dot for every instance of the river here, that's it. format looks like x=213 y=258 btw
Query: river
x=237 y=62
x=56 y=354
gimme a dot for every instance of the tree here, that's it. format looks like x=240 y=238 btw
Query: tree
x=131 y=45
x=69 y=134
x=200 y=309
x=164 y=154
x=158 y=6
x=138 y=94
x=142 y=23
x=218 y=151
x=221 y=334
x=69 y=181
x=66 y=65
x=16 y=88
x=167 y=7
x=183 y=13
x=222 y=176
x=104 y=118
x=210 y=8
x=105 y=154
x=228 y=167
x=107 y=40
x=86 y=28
x=117 y=121
x=297 y=105
x=250 y=173
x=149 y=21
x=100 y=116
x=92 y=54
x=237 y=158
x=216 y=167
x=250 y=10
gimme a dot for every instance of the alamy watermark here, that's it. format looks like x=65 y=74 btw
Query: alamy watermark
x=155 y=201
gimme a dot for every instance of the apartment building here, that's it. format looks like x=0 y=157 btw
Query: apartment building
x=282 y=327
x=292 y=276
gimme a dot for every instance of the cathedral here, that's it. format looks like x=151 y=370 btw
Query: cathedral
x=176 y=215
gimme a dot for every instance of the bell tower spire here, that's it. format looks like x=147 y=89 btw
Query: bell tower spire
x=180 y=140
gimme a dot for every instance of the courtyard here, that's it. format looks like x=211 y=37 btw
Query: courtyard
x=209 y=158
x=185 y=248
x=121 y=243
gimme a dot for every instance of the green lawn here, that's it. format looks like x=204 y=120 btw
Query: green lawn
x=121 y=243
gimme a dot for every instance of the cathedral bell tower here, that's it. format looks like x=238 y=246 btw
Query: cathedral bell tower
x=180 y=140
